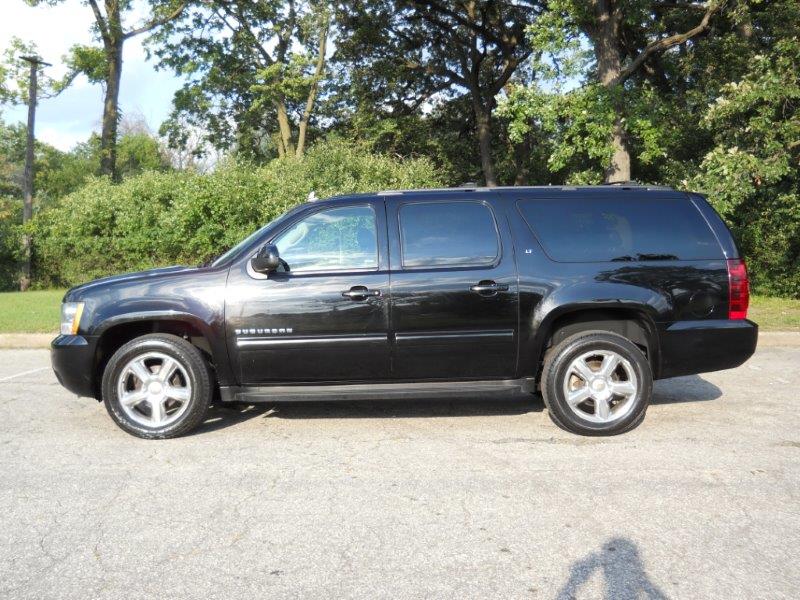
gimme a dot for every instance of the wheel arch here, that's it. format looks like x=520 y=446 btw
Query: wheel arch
x=632 y=322
x=117 y=332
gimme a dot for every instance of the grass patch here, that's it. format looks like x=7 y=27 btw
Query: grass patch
x=38 y=312
x=775 y=314
x=30 y=312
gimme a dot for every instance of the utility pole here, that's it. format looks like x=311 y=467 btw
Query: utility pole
x=27 y=184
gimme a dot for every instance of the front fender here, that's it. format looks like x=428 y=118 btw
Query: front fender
x=196 y=298
x=212 y=333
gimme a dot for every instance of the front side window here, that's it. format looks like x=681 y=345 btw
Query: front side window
x=335 y=239
x=436 y=234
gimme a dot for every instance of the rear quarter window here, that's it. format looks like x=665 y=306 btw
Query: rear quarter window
x=629 y=228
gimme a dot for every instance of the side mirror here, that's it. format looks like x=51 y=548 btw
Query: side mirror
x=267 y=260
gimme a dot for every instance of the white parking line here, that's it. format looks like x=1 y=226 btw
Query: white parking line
x=2 y=379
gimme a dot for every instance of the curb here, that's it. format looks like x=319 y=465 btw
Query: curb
x=27 y=341
x=41 y=341
x=772 y=339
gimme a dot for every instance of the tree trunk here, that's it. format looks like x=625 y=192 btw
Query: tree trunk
x=108 y=137
x=312 y=93
x=285 y=129
x=27 y=202
x=605 y=35
x=483 y=122
x=522 y=153
x=620 y=167
x=743 y=20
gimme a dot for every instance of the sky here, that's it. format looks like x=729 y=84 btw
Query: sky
x=72 y=116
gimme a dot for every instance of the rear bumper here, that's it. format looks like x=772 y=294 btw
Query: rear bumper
x=689 y=347
x=72 y=357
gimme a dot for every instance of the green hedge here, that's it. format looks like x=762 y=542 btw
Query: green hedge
x=157 y=219
x=768 y=232
x=10 y=242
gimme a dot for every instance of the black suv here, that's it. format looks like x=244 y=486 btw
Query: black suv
x=587 y=293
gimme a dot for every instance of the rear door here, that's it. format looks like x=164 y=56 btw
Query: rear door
x=454 y=308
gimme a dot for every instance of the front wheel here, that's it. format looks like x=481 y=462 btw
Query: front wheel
x=157 y=386
x=596 y=383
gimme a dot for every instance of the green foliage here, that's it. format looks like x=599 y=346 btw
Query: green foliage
x=578 y=126
x=139 y=152
x=252 y=58
x=752 y=174
x=15 y=75
x=87 y=60
x=59 y=173
x=160 y=219
x=10 y=218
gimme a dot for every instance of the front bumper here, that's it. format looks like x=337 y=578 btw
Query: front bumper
x=689 y=347
x=72 y=357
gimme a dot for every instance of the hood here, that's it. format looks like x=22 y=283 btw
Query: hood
x=78 y=291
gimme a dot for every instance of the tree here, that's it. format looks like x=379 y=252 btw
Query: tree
x=627 y=39
x=409 y=51
x=15 y=72
x=752 y=174
x=18 y=58
x=605 y=28
x=104 y=65
x=256 y=63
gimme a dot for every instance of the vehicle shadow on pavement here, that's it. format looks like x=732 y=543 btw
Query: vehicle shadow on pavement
x=622 y=571
x=681 y=389
x=684 y=389
x=221 y=416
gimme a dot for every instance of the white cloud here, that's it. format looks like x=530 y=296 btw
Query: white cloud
x=72 y=116
x=59 y=137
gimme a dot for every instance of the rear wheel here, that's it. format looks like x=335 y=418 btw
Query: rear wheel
x=157 y=386
x=596 y=383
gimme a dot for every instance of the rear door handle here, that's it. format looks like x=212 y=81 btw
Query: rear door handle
x=359 y=292
x=488 y=288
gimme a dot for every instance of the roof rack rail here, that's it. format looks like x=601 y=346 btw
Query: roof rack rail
x=637 y=184
x=470 y=187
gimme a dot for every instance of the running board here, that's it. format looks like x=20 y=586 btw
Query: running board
x=373 y=391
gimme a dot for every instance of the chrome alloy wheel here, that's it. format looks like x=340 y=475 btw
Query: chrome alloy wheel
x=600 y=386
x=154 y=389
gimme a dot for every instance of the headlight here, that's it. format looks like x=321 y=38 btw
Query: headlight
x=71 y=317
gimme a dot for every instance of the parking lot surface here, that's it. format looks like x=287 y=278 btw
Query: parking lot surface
x=481 y=497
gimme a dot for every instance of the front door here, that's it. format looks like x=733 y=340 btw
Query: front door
x=325 y=319
x=454 y=311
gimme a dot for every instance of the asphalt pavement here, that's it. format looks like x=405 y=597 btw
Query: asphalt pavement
x=475 y=498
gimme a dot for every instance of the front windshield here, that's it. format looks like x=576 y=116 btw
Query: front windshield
x=245 y=242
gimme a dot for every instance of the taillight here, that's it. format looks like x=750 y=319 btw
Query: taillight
x=739 y=289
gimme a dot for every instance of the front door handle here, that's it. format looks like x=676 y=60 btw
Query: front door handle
x=359 y=292
x=488 y=288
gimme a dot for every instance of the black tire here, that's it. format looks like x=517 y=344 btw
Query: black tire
x=195 y=367
x=556 y=369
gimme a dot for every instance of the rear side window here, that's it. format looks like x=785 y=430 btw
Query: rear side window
x=620 y=229
x=435 y=234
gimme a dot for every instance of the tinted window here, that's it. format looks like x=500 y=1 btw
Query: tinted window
x=621 y=229
x=336 y=239
x=448 y=233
